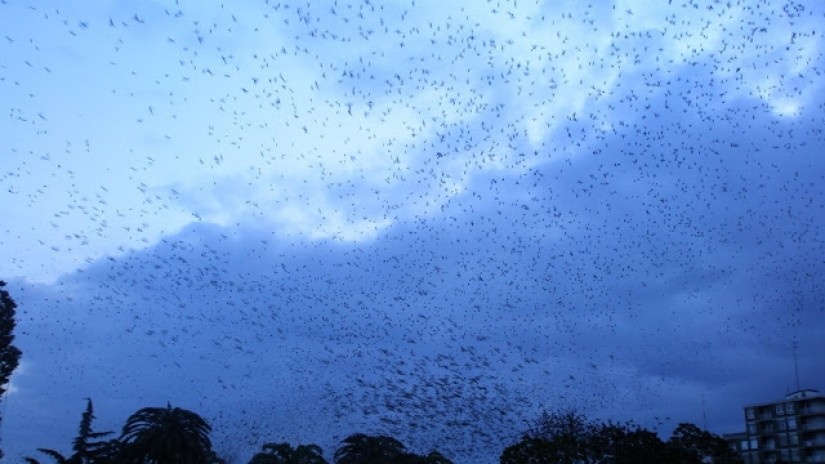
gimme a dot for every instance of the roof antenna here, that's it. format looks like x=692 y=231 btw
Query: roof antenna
x=704 y=414
x=796 y=364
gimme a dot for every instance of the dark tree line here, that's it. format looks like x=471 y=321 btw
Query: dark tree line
x=150 y=435
x=566 y=437
x=178 y=436
x=170 y=435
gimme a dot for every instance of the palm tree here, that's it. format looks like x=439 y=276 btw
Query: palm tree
x=166 y=436
x=55 y=455
x=284 y=453
x=365 y=449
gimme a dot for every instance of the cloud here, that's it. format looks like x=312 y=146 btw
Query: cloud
x=278 y=105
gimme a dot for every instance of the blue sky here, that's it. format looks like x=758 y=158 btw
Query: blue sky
x=425 y=219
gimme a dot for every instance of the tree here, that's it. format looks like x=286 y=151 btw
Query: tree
x=284 y=453
x=567 y=437
x=166 y=436
x=629 y=444
x=87 y=447
x=530 y=450
x=692 y=445
x=9 y=354
x=434 y=457
x=560 y=437
x=366 y=449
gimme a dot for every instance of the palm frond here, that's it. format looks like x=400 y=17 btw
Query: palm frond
x=167 y=435
x=59 y=458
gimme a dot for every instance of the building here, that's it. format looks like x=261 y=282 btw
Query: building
x=790 y=430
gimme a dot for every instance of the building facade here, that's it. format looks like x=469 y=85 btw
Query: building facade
x=791 y=430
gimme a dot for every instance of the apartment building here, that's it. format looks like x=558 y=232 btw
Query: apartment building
x=790 y=430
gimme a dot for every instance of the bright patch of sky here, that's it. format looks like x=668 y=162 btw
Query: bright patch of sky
x=173 y=113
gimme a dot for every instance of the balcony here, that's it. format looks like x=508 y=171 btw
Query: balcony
x=817 y=441
x=813 y=425
x=812 y=409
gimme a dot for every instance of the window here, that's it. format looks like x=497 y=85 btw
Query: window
x=794 y=439
x=780 y=409
x=781 y=425
x=754 y=444
x=790 y=408
x=750 y=414
x=743 y=445
x=752 y=429
x=791 y=423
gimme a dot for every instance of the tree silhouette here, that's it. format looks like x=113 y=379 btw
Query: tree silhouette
x=530 y=450
x=166 y=436
x=628 y=444
x=86 y=446
x=567 y=437
x=284 y=453
x=9 y=354
x=690 y=445
x=365 y=449
x=433 y=458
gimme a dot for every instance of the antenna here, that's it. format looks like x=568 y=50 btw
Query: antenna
x=704 y=414
x=796 y=365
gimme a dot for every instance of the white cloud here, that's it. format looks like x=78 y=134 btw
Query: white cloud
x=284 y=116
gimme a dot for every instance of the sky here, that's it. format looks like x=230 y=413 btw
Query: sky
x=430 y=220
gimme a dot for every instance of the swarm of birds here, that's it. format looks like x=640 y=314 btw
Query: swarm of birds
x=409 y=218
